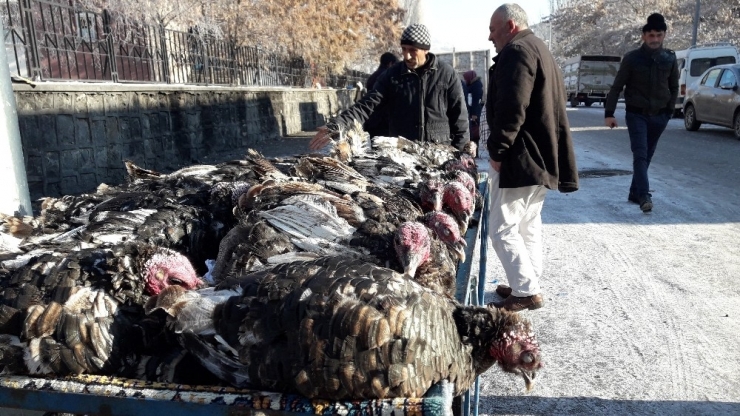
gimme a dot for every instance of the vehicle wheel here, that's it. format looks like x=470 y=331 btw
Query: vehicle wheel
x=574 y=101
x=689 y=119
x=736 y=124
x=588 y=103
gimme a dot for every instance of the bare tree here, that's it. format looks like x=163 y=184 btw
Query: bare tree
x=614 y=26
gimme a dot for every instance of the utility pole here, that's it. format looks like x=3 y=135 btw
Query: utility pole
x=549 y=24
x=14 y=196
x=696 y=23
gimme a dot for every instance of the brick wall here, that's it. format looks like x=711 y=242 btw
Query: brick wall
x=75 y=136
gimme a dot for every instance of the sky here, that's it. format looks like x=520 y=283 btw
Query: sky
x=463 y=24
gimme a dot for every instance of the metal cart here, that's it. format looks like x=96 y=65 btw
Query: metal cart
x=98 y=395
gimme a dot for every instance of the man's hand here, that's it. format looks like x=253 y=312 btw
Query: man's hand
x=610 y=122
x=320 y=139
x=495 y=165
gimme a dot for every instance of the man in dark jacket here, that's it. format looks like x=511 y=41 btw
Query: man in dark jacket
x=649 y=76
x=423 y=97
x=387 y=60
x=377 y=124
x=531 y=150
x=473 y=90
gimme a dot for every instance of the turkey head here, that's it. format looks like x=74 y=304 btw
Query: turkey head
x=460 y=202
x=412 y=246
x=447 y=230
x=167 y=268
x=430 y=193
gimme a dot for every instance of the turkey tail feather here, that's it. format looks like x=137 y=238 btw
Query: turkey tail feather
x=223 y=367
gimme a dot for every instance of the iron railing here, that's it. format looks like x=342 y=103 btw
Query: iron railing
x=54 y=40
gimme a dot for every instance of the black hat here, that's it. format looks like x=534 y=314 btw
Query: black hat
x=655 y=22
x=417 y=36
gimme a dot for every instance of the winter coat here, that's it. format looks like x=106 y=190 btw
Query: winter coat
x=525 y=110
x=374 y=77
x=650 y=81
x=424 y=105
x=475 y=91
x=377 y=123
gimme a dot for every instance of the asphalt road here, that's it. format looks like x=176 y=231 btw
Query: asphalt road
x=643 y=310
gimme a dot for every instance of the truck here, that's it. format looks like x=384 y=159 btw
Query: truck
x=588 y=78
x=692 y=62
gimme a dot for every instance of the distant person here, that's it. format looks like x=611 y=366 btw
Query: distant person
x=423 y=97
x=531 y=151
x=387 y=60
x=649 y=77
x=377 y=124
x=474 y=101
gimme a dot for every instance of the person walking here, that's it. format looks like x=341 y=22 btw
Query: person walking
x=473 y=99
x=530 y=149
x=423 y=97
x=649 y=77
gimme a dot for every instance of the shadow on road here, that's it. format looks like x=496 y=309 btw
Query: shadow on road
x=497 y=405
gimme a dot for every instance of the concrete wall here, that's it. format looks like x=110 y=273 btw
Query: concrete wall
x=75 y=136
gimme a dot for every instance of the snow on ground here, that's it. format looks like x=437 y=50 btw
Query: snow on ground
x=641 y=313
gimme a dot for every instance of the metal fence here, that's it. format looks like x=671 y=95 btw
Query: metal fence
x=53 y=40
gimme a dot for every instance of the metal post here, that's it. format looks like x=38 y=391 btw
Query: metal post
x=696 y=23
x=14 y=186
x=32 y=49
x=110 y=45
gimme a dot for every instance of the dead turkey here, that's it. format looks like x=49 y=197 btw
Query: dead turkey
x=344 y=329
x=81 y=311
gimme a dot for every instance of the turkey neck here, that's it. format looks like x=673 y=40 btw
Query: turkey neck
x=478 y=327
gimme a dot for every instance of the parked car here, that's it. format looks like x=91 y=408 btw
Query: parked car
x=692 y=63
x=714 y=99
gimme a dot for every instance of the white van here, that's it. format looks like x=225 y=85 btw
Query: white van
x=692 y=62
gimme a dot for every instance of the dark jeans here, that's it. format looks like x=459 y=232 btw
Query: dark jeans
x=644 y=133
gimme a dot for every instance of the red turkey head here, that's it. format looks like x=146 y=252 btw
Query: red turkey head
x=447 y=230
x=465 y=163
x=169 y=268
x=430 y=193
x=516 y=349
x=460 y=203
x=464 y=178
x=412 y=246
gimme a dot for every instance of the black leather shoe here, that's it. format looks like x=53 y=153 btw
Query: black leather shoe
x=503 y=291
x=516 y=304
x=646 y=203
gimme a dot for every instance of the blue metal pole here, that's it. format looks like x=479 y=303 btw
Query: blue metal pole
x=482 y=270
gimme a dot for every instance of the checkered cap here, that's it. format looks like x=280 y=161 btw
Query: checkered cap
x=417 y=36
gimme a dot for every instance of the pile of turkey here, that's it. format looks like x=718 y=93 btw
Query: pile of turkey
x=344 y=329
x=331 y=275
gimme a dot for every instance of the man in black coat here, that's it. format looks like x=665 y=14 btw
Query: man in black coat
x=649 y=77
x=423 y=97
x=531 y=151
x=473 y=90
x=377 y=124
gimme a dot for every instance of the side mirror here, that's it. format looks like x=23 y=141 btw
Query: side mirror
x=727 y=85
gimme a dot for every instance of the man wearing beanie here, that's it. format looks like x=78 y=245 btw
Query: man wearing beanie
x=422 y=95
x=649 y=77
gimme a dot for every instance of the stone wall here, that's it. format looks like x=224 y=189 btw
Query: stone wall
x=76 y=136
